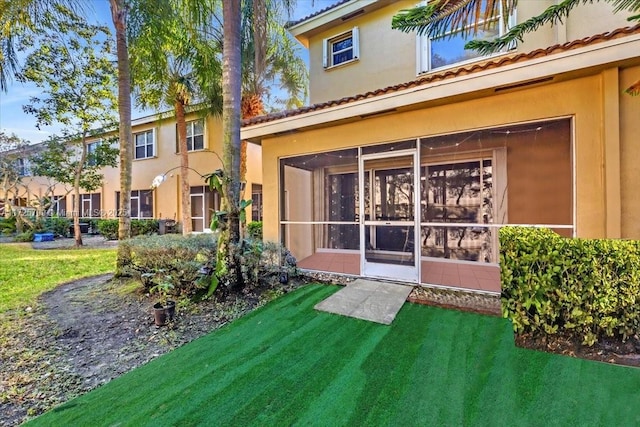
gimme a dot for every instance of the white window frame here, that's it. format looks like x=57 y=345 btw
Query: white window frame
x=423 y=45
x=146 y=144
x=327 y=53
x=191 y=137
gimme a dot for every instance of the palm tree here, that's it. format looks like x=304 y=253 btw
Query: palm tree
x=119 y=14
x=173 y=66
x=269 y=58
x=228 y=263
x=440 y=16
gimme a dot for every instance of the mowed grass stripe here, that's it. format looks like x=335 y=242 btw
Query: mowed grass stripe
x=287 y=364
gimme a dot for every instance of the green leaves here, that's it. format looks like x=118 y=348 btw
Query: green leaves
x=550 y=283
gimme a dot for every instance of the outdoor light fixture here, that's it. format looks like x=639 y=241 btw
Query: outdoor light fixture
x=159 y=179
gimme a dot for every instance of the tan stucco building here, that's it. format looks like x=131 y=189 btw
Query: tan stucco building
x=155 y=153
x=413 y=153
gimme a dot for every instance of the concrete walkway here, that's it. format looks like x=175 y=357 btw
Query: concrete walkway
x=368 y=300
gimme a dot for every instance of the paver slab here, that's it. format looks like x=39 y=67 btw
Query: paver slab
x=368 y=300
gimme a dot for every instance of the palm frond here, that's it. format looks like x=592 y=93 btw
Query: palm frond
x=630 y=5
x=552 y=15
x=445 y=16
x=634 y=89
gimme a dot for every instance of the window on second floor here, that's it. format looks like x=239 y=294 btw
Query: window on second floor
x=341 y=49
x=91 y=153
x=195 y=136
x=448 y=49
x=24 y=167
x=144 y=144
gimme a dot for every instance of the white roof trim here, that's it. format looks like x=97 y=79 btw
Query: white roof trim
x=610 y=51
x=326 y=17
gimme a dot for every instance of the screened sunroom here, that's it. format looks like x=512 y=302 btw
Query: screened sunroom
x=427 y=210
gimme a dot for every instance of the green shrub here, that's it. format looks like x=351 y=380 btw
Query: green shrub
x=26 y=236
x=58 y=226
x=172 y=258
x=139 y=227
x=254 y=230
x=144 y=227
x=587 y=287
x=265 y=262
x=108 y=228
x=8 y=225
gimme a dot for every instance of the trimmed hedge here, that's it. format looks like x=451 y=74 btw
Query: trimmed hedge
x=587 y=287
x=139 y=227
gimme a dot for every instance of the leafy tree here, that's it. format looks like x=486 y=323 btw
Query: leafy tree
x=119 y=17
x=19 y=18
x=174 y=64
x=440 y=16
x=73 y=67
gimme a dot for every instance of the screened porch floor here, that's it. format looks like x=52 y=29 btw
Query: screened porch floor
x=480 y=277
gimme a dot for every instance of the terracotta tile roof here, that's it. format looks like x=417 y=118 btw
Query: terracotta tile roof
x=448 y=74
x=314 y=14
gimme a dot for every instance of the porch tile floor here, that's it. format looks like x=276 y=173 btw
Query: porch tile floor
x=465 y=276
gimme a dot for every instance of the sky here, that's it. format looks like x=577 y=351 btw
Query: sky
x=14 y=121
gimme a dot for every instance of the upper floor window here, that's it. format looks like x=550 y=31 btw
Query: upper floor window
x=448 y=49
x=195 y=136
x=144 y=144
x=341 y=49
x=91 y=153
x=24 y=167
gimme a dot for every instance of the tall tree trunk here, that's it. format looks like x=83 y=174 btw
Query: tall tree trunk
x=77 y=174
x=228 y=251
x=185 y=188
x=118 y=14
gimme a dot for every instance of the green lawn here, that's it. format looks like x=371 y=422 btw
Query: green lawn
x=25 y=272
x=288 y=364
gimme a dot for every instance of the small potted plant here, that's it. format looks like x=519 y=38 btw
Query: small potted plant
x=164 y=310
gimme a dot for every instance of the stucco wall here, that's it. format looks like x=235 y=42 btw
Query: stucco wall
x=580 y=99
x=630 y=155
x=388 y=57
x=166 y=196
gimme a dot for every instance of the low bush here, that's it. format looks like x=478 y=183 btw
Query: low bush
x=58 y=226
x=172 y=258
x=144 y=227
x=586 y=287
x=8 y=225
x=266 y=262
x=26 y=236
x=108 y=228
x=254 y=230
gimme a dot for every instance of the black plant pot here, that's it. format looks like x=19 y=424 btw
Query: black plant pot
x=164 y=312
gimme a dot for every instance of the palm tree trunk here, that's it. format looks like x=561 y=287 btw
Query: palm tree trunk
x=118 y=14
x=185 y=188
x=228 y=251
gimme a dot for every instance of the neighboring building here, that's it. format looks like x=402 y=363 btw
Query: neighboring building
x=155 y=153
x=414 y=153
